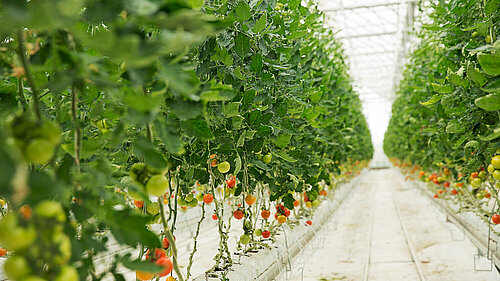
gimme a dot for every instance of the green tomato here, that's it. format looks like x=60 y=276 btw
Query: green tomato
x=16 y=267
x=193 y=203
x=153 y=208
x=50 y=131
x=136 y=169
x=479 y=195
x=496 y=175
x=491 y=169
x=64 y=243
x=157 y=185
x=33 y=278
x=495 y=161
x=68 y=273
x=244 y=239
x=224 y=167
x=482 y=175
x=50 y=209
x=315 y=203
x=20 y=238
x=189 y=197
x=476 y=182
x=267 y=158
x=199 y=196
x=258 y=232
x=182 y=202
x=39 y=151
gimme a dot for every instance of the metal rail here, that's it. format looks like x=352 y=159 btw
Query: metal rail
x=413 y=253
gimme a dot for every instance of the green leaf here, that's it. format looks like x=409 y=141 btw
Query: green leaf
x=241 y=45
x=260 y=25
x=195 y=4
x=490 y=63
x=283 y=140
x=237 y=164
x=493 y=86
x=185 y=110
x=243 y=10
x=456 y=79
x=147 y=151
x=288 y=201
x=171 y=139
x=490 y=102
x=475 y=75
x=260 y=165
x=140 y=265
x=432 y=100
x=472 y=143
x=198 y=128
x=231 y=109
x=492 y=136
x=218 y=92
x=454 y=127
x=241 y=140
x=443 y=89
x=256 y=65
x=284 y=156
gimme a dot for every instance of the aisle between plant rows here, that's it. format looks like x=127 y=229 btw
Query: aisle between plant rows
x=375 y=201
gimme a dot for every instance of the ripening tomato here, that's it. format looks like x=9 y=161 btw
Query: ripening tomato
x=250 y=199
x=309 y=222
x=454 y=192
x=440 y=191
x=296 y=203
x=446 y=184
x=266 y=234
x=459 y=184
x=281 y=219
x=158 y=253
x=144 y=276
x=25 y=211
x=474 y=175
x=3 y=252
x=487 y=195
x=265 y=214
x=139 y=204
x=214 y=217
x=208 y=198
x=446 y=171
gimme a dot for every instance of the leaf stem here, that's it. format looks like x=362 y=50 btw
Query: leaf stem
x=27 y=68
x=78 y=129
x=170 y=238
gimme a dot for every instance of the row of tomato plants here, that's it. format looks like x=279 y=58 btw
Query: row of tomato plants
x=445 y=124
x=110 y=107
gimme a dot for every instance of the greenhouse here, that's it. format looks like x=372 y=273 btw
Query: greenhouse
x=240 y=140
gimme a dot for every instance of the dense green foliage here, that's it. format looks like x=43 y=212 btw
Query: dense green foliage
x=445 y=120
x=446 y=111
x=91 y=89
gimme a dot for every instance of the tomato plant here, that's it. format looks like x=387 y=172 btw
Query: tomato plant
x=107 y=123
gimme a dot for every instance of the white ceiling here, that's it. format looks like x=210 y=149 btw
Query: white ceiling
x=375 y=37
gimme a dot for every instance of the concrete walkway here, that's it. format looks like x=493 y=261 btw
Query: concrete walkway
x=369 y=239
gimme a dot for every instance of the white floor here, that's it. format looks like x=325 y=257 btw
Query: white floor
x=345 y=251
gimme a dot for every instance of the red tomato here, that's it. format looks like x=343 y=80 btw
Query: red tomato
x=265 y=214
x=159 y=253
x=266 y=234
x=208 y=198
x=495 y=218
x=238 y=214
x=231 y=182
x=446 y=184
x=474 y=175
x=287 y=213
x=165 y=242
x=436 y=196
x=296 y=203
x=309 y=222
x=167 y=265
x=454 y=192
x=214 y=217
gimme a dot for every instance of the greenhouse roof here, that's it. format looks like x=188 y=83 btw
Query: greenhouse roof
x=375 y=38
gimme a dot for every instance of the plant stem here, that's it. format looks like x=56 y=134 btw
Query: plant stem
x=195 y=240
x=24 y=59
x=78 y=129
x=20 y=92
x=170 y=239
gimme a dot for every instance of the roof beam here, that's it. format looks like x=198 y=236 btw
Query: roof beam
x=368 y=35
x=364 y=6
